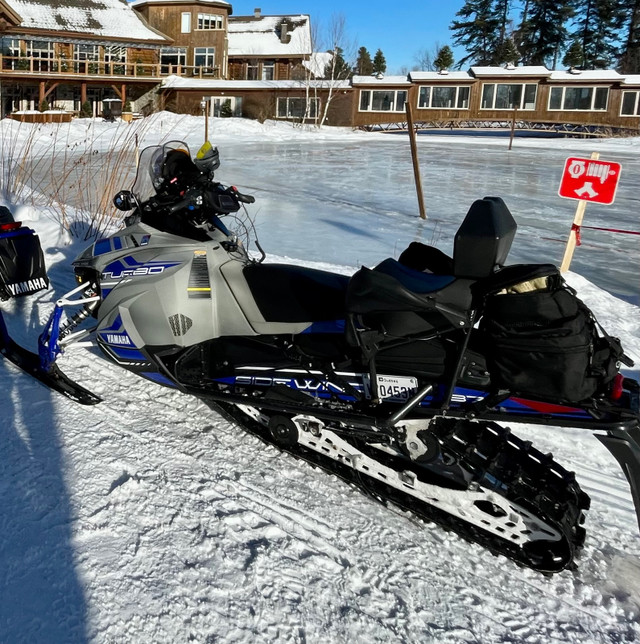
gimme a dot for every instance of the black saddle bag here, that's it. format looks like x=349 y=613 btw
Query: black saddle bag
x=543 y=342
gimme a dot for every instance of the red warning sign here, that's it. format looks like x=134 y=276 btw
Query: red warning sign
x=590 y=180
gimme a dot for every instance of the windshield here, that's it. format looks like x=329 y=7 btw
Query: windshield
x=149 y=175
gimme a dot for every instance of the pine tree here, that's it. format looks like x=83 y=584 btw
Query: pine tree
x=444 y=59
x=543 y=31
x=501 y=16
x=598 y=23
x=507 y=53
x=574 y=57
x=630 y=55
x=338 y=68
x=86 y=110
x=379 y=63
x=364 y=65
x=225 y=109
x=478 y=32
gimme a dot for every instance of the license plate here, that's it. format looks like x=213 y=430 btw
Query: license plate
x=397 y=388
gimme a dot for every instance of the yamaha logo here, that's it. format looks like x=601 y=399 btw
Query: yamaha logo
x=30 y=286
x=112 y=338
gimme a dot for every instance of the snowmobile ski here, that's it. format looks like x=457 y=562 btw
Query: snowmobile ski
x=52 y=377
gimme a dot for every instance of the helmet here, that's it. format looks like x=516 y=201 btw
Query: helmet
x=177 y=172
x=207 y=159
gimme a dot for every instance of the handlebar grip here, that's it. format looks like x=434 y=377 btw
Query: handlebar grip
x=245 y=198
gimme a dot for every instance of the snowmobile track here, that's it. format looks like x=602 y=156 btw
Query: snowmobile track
x=533 y=480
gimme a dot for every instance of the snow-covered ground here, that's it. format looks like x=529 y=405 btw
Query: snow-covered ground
x=148 y=518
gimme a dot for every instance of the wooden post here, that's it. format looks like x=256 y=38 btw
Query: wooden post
x=414 y=157
x=513 y=127
x=575 y=229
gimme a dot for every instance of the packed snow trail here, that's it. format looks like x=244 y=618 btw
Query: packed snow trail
x=176 y=524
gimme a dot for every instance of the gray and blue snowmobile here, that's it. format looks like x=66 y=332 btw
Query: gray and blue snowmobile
x=398 y=378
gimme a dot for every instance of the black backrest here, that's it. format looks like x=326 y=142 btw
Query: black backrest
x=484 y=238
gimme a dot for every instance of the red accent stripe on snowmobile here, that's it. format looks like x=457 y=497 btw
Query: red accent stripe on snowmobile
x=546 y=408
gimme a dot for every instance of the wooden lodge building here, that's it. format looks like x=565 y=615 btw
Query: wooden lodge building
x=183 y=54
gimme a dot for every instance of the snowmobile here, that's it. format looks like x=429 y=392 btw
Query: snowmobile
x=398 y=378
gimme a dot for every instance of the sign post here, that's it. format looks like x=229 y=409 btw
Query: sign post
x=586 y=180
x=414 y=157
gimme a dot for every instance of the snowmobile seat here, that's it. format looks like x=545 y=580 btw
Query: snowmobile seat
x=404 y=301
x=289 y=293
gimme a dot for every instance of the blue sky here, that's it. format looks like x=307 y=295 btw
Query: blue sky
x=401 y=30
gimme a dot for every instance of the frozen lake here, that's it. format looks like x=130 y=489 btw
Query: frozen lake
x=349 y=199
x=361 y=194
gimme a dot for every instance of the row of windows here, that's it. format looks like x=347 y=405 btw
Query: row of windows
x=203 y=21
x=499 y=96
x=291 y=107
x=380 y=100
x=45 y=59
x=202 y=57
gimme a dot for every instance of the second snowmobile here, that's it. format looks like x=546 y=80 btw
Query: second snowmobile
x=398 y=378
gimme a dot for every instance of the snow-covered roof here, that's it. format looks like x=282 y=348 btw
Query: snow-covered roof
x=511 y=71
x=139 y=3
x=9 y=14
x=440 y=76
x=631 y=79
x=183 y=82
x=318 y=62
x=590 y=75
x=269 y=36
x=380 y=80
x=108 y=18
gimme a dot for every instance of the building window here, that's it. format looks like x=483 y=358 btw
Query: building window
x=630 y=104
x=382 y=100
x=508 y=96
x=85 y=58
x=268 y=70
x=439 y=97
x=42 y=53
x=295 y=108
x=579 y=98
x=252 y=70
x=205 y=57
x=114 y=59
x=11 y=55
x=208 y=21
x=171 y=58
x=185 y=22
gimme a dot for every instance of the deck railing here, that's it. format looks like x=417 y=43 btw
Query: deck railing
x=36 y=65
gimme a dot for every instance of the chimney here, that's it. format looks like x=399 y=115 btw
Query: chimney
x=284 y=33
x=257 y=12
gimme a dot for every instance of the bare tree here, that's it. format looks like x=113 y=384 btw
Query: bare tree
x=340 y=67
x=425 y=58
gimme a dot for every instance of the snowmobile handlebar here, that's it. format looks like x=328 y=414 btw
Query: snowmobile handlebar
x=242 y=197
